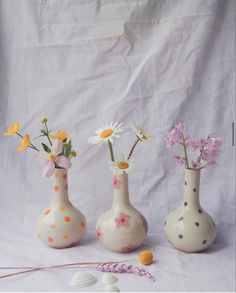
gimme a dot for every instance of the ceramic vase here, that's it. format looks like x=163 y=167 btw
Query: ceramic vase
x=60 y=225
x=122 y=228
x=189 y=228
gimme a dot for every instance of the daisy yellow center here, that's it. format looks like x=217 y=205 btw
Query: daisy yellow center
x=51 y=156
x=106 y=133
x=123 y=165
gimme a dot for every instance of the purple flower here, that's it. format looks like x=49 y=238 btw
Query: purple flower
x=179 y=161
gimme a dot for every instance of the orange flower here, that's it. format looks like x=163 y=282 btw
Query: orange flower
x=25 y=142
x=13 y=129
x=67 y=219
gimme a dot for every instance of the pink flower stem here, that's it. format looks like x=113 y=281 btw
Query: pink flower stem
x=185 y=154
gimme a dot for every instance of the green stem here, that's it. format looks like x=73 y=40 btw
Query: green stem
x=111 y=151
x=47 y=132
x=131 y=151
x=185 y=154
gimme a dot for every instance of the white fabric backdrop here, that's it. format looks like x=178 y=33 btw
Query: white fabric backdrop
x=83 y=63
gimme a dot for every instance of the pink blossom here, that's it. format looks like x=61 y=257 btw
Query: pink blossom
x=116 y=182
x=128 y=248
x=53 y=159
x=180 y=126
x=122 y=220
x=179 y=160
x=193 y=144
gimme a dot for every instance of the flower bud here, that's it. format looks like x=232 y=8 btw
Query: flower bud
x=44 y=120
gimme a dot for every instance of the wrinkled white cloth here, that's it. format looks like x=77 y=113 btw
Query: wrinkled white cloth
x=84 y=63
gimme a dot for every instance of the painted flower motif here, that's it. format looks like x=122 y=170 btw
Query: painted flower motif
x=141 y=133
x=106 y=133
x=50 y=239
x=47 y=212
x=116 y=182
x=61 y=135
x=145 y=224
x=123 y=220
x=122 y=165
x=53 y=159
x=25 y=142
x=67 y=219
x=13 y=129
x=99 y=233
x=128 y=248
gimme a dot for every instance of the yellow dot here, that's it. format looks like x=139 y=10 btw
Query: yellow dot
x=123 y=165
x=106 y=133
x=62 y=208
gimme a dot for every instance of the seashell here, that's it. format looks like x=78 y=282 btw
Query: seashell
x=108 y=279
x=111 y=288
x=82 y=280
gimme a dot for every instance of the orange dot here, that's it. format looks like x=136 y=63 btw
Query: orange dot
x=65 y=237
x=62 y=208
x=50 y=239
x=56 y=188
x=67 y=219
x=64 y=176
x=47 y=212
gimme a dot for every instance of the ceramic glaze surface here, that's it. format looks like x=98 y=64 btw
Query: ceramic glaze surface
x=189 y=228
x=61 y=224
x=122 y=228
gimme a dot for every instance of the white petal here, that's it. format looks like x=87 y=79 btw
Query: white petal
x=57 y=147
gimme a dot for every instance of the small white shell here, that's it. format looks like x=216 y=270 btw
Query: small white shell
x=108 y=279
x=82 y=280
x=111 y=288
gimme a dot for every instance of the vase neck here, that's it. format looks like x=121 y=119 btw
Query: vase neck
x=60 y=187
x=121 y=190
x=191 y=188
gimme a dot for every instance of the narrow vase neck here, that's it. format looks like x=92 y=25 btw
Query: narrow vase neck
x=60 y=187
x=191 y=188
x=121 y=190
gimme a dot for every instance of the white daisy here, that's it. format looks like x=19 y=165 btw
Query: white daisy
x=122 y=165
x=141 y=133
x=106 y=133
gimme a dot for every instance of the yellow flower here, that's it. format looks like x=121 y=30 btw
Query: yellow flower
x=44 y=120
x=13 y=129
x=61 y=135
x=73 y=154
x=25 y=141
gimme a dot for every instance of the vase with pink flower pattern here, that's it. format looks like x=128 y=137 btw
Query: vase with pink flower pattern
x=60 y=225
x=122 y=228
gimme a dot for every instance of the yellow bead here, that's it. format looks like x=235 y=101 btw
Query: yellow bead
x=146 y=257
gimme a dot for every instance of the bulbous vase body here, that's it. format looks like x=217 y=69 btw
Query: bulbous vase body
x=189 y=228
x=122 y=228
x=60 y=225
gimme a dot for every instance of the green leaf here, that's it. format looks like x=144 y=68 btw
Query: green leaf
x=46 y=148
x=67 y=149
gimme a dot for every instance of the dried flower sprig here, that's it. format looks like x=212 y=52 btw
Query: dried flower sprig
x=56 y=154
x=124 y=268
x=208 y=146
x=109 y=266
x=107 y=133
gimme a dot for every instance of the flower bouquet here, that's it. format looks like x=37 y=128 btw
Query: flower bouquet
x=61 y=224
x=189 y=228
x=122 y=228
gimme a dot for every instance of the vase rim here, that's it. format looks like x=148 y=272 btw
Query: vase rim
x=192 y=170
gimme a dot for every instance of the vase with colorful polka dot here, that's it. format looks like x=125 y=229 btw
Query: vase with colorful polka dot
x=122 y=228
x=60 y=225
x=189 y=228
